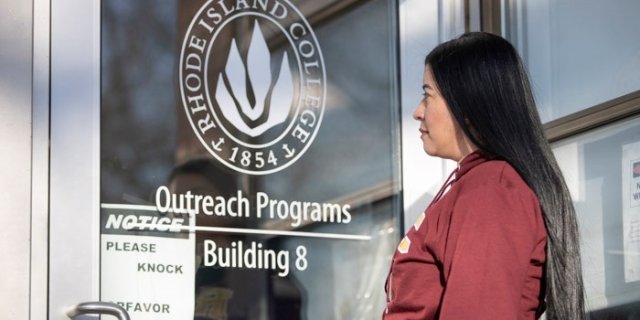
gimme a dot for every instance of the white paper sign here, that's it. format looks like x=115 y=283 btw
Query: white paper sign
x=149 y=271
x=631 y=210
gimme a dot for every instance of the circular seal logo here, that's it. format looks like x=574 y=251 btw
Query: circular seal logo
x=253 y=83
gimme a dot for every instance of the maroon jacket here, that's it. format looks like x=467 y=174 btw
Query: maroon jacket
x=478 y=251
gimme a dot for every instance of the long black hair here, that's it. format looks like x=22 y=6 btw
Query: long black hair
x=485 y=84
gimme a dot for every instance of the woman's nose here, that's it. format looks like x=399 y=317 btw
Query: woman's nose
x=418 y=113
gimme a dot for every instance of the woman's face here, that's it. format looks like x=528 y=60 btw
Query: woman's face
x=440 y=133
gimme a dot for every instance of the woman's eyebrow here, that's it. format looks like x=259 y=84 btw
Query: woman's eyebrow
x=426 y=86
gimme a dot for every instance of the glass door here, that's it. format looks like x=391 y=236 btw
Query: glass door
x=240 y=157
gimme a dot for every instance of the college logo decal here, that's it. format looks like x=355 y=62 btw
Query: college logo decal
x=252 y=83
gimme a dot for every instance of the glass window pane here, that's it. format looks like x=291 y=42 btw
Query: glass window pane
x=602 y=170
x=249 y=158
x=578 y=53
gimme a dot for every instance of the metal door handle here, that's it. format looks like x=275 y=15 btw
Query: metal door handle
x=99 y=307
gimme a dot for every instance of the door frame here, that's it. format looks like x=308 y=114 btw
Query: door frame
x=74 y=199
x=39 y=255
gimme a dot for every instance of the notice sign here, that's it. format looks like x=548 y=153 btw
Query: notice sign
x=631 y=210
x=147 y=253
x=635 y=183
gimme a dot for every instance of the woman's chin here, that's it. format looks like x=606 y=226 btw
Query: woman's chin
x=429 y=150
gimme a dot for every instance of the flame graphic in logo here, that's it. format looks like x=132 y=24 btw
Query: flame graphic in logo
x=272 y=100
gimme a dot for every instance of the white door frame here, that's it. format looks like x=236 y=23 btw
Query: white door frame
x=40 y=161
x=74 y=232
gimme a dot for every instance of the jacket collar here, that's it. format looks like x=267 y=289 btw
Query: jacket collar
x=469 y=161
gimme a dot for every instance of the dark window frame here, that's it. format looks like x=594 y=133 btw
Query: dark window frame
x=611 y=111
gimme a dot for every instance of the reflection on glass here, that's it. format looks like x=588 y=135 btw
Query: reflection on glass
x=579 y=54
x=603 y=173
x=180 y=174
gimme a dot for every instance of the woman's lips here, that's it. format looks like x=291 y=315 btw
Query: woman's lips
x=423 y=132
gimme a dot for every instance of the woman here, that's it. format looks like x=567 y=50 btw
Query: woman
x=500 y=239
